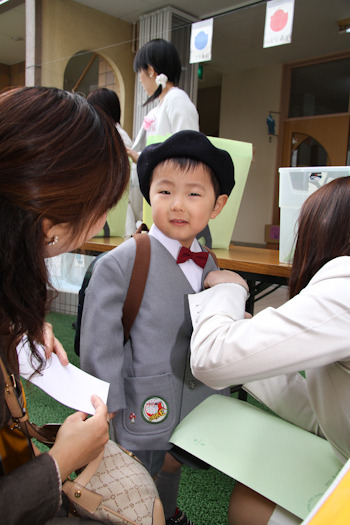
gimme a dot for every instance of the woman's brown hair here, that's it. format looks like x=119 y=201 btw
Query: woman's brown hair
x=323 y=232
x=59 y=160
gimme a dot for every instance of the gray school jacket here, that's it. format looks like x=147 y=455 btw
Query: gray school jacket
x=151 y=384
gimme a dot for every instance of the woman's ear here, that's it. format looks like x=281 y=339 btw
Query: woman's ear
x=52 y=232
x=48 y=229
x=151 y=72
x=219 y=204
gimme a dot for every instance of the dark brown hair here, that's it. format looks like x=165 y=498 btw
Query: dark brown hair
x=107 y=100
x=323 y=232
x=59 y=160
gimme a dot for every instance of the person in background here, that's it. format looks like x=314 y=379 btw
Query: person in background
x=62 y=167
x=108 y=100
x=309 y=332
x=159 y=67
x=186 y=180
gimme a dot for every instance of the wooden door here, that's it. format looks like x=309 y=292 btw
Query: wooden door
x=321 y=140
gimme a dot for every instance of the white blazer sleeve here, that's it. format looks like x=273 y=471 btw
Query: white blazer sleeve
x=287 y=396
x=309 y=331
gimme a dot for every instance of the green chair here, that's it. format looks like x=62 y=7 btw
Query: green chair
x=115 y=224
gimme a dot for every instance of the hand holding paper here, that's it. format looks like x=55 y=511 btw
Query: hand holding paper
x=67 y=384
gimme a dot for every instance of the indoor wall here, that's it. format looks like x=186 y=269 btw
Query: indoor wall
x=69 y=28
x=246 y=100
x=12 y=75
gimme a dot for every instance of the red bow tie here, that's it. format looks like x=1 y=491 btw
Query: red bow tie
x=199 y=258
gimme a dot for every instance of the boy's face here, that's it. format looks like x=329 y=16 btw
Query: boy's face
x=183 y=201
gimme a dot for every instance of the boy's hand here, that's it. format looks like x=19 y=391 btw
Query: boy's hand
x=224 y=276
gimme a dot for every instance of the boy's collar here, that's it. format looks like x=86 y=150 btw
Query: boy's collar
x=172 y=245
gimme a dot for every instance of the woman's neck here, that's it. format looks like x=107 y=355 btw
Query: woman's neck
x=165 y=90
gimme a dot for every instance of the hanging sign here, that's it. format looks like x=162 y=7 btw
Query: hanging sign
x=201 y=41
x=278 y=22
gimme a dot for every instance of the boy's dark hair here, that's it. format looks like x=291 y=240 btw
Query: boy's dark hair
x=188 y=164
x=108 y=101
x=163 y=57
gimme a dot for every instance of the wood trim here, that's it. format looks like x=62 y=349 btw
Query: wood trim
x=84 y=72
x=331 y=132
x=284 y=106
x=247 y=259
x=315 y=117
x=318 y=60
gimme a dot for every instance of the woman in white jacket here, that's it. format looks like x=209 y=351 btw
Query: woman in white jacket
x=309 y=332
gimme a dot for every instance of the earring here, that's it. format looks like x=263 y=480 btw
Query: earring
x=53 y=241
x=151 y=75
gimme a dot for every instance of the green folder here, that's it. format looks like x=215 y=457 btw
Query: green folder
x=277 y=459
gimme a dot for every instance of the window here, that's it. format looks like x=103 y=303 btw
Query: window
x=320 y=89
x=87 y=71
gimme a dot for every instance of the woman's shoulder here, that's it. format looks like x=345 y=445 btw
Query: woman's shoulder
x=333 y=279
x=336 y=268
x=177 y=93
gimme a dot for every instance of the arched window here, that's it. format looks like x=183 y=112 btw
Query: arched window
x=87 y=71
x=307 y=151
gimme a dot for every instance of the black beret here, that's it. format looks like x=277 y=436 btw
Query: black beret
x=188 y=144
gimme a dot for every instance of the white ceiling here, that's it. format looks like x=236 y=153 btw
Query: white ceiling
x=238 y=36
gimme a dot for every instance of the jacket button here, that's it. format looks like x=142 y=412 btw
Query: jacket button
x=192 y=385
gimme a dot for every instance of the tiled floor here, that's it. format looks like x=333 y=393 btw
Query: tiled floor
x=274 y=299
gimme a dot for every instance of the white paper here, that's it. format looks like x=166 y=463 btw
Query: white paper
x=67 y=384
x=278 y=22
x=201 y=41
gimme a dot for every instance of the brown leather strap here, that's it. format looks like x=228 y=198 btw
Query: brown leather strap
x=76 y=489
x=137 y=282
x=46 y=434
x=11 y=395
x=212 y=254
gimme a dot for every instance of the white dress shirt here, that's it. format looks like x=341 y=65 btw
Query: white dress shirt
x=192 y=271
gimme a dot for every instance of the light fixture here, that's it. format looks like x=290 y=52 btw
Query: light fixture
x=344 y=25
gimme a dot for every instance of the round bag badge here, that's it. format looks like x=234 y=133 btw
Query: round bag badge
x=154 y=409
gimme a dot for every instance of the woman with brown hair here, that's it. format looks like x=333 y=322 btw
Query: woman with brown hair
x=309 y=332
x=62 y=167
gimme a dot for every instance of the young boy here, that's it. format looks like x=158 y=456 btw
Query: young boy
x=187 y=181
